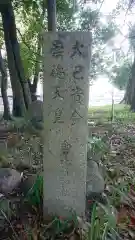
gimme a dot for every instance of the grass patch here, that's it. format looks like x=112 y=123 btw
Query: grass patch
x=101 y=114
x=107 y=108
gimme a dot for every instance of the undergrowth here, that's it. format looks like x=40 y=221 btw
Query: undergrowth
x=115 y=219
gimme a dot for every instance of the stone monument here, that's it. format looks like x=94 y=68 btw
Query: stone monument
x=66 y=94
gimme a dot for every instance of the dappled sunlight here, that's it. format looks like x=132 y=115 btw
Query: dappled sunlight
x=101 y=93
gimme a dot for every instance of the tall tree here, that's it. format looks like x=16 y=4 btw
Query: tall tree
x=4 y=83
x=128 y=73
x=33 y=17
x=130 y=90
x=102 y=32
x=21 y=93
x=121 y=74
x=51 y=11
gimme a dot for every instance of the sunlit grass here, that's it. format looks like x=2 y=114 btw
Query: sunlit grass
x=122 y=113
x=107 y=108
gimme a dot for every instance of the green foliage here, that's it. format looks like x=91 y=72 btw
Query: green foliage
x=132 y=37
x=103 y=223
x=1 y=34
x=108 y=31
x=121 y=75
x=29 y=35
x=68 y=19
x=90 y=19
x=28 y=58
x=65 y=8
x=122 y=113
x=35 y=194
x=33 y=18
x=97 y=145
x=59 y=226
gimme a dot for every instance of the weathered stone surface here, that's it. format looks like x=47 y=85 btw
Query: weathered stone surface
x=9 y=180
x=66 y=90
x=94 y=187
x=35 y=114
x=95 y=182
x=22 y=166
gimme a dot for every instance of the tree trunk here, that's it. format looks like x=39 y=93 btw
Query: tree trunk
x=128 y=93
x=51 y=10
x=131 y=91
x=15 y=83
x=33 y=86
x=21 y=91
x=33 y=89
x=4 y=82
x=17 y=58
x=129 y=97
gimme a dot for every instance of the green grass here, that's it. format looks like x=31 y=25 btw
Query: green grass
x=122 y=113
x=107 y=108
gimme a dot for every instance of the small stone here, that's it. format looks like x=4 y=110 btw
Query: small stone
x=35 y=168
x=22 y=166
x=113 y=153
x=37 y=124
x=91 y=123
x=35 y=111
x=95 y=182
x=13 y=140
x=83 y=226
x=9 y=180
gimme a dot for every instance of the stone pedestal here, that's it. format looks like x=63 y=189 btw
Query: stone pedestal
x=66 y=94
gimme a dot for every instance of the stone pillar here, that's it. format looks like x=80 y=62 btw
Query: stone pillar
x=66 y=95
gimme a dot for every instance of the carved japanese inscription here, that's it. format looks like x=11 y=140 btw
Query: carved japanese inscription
x=77 y=94
x=75 y=116
x=57 y=93
x=57 y=48
x=78 y=49
x=66 y=90
x=65 y=150
x=58 y=116
x=78 y=72
x=58 y=72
